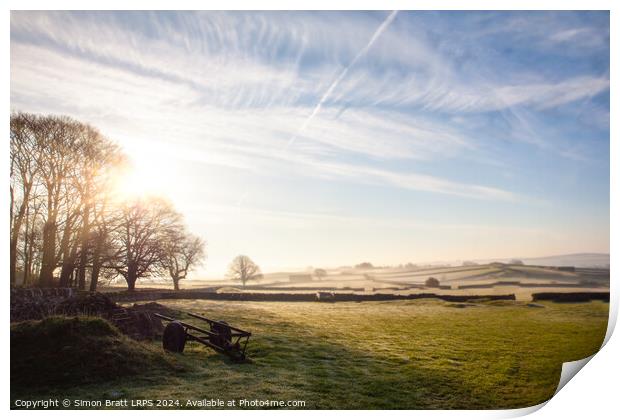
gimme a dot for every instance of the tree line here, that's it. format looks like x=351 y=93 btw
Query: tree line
x=68 y=226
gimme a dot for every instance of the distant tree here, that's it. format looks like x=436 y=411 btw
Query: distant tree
x=431 y=282
x=183 y=250
x=469 y=263
x=364 y=266
x=410 y=266
x=515 y=261
x=243 y=269
x=319 y=273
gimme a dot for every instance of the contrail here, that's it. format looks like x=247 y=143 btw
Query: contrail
x=344 y=72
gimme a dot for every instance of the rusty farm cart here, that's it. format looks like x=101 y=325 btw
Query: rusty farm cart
x=220 y=336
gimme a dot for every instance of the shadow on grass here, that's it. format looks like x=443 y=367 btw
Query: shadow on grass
x=323 y=374
x=320 y=365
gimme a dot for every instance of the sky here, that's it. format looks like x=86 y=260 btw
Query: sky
x=330 y=138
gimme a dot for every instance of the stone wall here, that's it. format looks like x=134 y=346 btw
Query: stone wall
x=292 y=297
x=137 y=322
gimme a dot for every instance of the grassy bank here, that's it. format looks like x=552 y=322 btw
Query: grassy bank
x=403 y=354
x=74 y=351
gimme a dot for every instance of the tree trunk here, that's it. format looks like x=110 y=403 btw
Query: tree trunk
x=132 y=276
x=27 y=264
x=13 y=256
x=48 y=261
x=84 y=253
x=13 y=250
x=69 y=257
x=17 y=225
x=175 y=280
x=29 y=270
x=131 y=283
x=94 y=275
x=65 y=273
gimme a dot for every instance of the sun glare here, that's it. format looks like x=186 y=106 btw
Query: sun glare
x=143 y=176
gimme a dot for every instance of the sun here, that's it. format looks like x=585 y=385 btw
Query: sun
x=144 y=176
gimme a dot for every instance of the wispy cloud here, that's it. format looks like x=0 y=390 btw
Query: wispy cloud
x=344 y=72
x=227 y=89
x=489 y=114
x=235 y=68
x=232 y=136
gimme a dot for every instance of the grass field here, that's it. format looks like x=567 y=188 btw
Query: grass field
x=404 y=354
x=529 y=279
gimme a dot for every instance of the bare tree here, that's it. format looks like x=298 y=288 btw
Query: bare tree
x=243 y=269
x=101 y=242
x=31 y=241
x=56 y=167
x=58 y=137
x=64 y=220
x=68 y=243
x=183 y=251
x=319 y=273
x=104 y=220
x=23 y=171
x=139 y=238
x=99 y=159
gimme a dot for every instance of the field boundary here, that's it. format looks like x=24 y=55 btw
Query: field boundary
x=295 y=297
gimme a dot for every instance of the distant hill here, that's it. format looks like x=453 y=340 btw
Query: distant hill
x=589 y=260
x=584 y=260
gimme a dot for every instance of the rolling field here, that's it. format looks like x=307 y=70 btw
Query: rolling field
x=401 y=354
x=483 y=279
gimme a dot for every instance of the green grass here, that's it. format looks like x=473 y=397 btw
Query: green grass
x=402 y=354
x=77 y=350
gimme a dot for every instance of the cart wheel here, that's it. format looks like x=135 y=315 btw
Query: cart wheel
x=174 y=337
x=237 y=356
x=224 y=334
